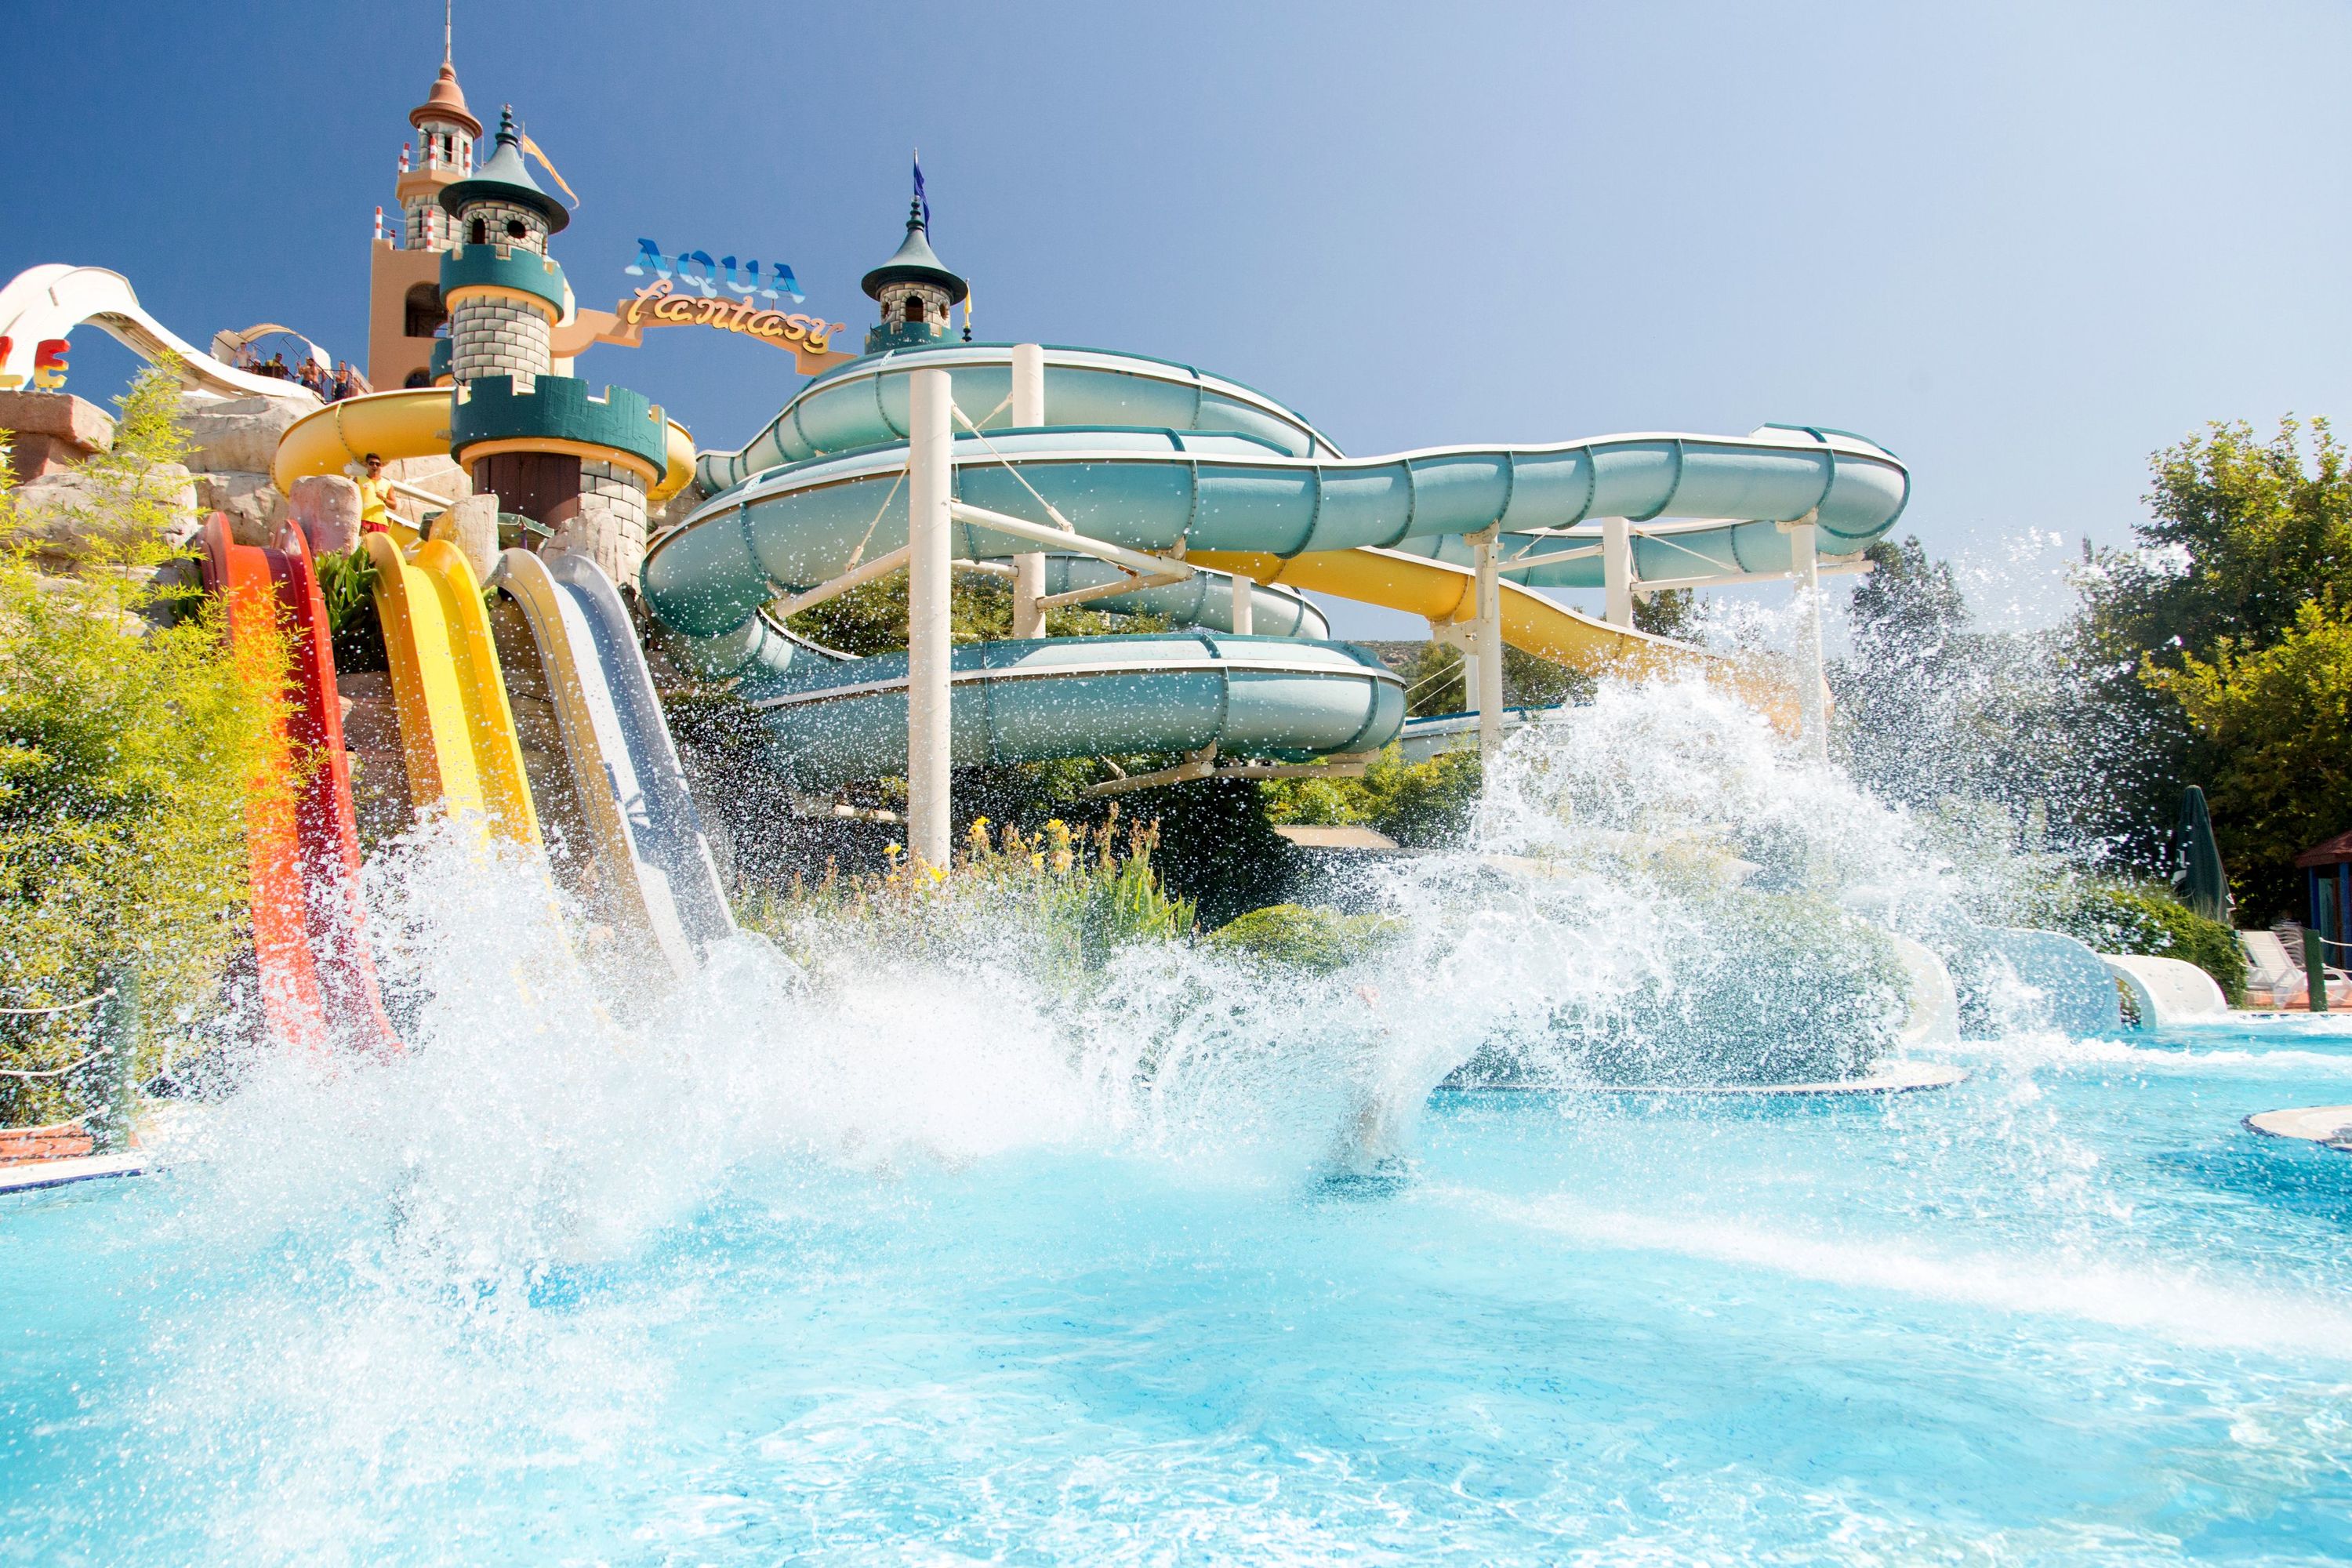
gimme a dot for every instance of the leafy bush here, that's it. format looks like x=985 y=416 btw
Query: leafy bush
x=1080 y=893
x=2114 y=918
x=126 y=748
x=347 y=587
x=1311 y=938
x=1416 y=804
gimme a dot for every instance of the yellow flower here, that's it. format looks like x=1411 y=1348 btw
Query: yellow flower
x=893 y=850
x=938 y=873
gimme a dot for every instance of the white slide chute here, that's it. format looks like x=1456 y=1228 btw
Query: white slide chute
x=42 y=304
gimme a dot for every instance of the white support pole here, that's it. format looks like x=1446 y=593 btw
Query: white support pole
x=1812 y=687
x=1488 y=672
x=1245 y=607
x=929 y=471
x=1029 y=567
x=1617 y=571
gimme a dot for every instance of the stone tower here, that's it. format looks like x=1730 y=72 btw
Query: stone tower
x=404 y=310
x=578 y=464
x=503 y=293
x=915 y=291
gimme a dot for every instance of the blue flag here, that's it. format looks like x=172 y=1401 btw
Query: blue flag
x=921 y=200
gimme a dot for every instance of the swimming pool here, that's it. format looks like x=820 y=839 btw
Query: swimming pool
x=2068 y=1311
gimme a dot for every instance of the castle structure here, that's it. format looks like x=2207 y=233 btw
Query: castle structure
x=475 y=297
x=915 y=290
x=404 y=310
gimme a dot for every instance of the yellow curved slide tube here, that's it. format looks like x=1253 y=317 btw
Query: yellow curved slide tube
x=456 y=731
x=413 y=422
x=1442 y=593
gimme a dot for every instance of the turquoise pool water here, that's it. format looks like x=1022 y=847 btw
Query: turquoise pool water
x=2069 y=1311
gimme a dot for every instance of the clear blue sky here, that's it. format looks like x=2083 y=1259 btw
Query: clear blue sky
x=2023 y=246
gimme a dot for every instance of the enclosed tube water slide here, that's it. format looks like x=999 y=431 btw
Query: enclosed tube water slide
x=43 y=303
x=412 y=422
x=1157 y=457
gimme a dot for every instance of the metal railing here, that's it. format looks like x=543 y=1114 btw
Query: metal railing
x=108 y=1069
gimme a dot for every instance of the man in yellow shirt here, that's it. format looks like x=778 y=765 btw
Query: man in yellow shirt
x=376 y=498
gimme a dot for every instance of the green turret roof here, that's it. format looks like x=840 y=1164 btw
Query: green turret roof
x=506 y=179
x=914 y=263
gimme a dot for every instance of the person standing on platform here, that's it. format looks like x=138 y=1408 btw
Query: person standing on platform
x=376 y=498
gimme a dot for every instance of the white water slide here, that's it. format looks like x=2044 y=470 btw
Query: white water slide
x=43 y=303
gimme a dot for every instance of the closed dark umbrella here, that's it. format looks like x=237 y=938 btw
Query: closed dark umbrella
x=2204 y=886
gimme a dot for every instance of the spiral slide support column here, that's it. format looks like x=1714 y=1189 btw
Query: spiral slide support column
x=1812 y=688
x=1617 y=571
x=1489 y=673
x=929 y=486
x=1028 y=413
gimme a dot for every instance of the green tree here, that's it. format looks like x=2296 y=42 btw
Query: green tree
x=2272 y=727
x=2242 y=534
x=1435 y=684
x=128 y=737
x=1671 y=613
x=1932 y=708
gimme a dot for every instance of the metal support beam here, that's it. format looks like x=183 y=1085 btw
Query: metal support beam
x=1028 y=568
x=1813 y=685
x=833 y=588
x=1202 y=764
x=1489 y=668
x=1142 y=562
x=931 y=439
x=1106 y=590
x=1245 y=607
x=1833 y=567
x=1617 y=571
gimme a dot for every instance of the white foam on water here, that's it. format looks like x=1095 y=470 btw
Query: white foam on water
x=2173 y=1300
x=378 y=1241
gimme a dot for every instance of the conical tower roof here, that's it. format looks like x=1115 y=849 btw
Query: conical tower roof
x=915 y=263
x=445 y=103
x=506 y=179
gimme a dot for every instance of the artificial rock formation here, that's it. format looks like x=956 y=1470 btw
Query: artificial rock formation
x=327 y=508
x=472 y=525
x=51 y=432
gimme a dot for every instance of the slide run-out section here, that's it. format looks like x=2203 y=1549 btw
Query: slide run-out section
x=646 y=836
x=318 y=983
x=45 y=303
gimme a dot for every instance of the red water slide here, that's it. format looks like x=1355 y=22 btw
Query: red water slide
x=317 y=982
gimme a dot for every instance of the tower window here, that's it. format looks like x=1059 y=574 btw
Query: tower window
x=515 y=229
x=423 y=309
x=480 y=234
x=914 y=309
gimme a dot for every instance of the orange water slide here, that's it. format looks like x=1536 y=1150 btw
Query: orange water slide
x=318 y=981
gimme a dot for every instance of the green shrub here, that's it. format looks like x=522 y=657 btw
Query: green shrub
x=2114 y=918
x=347 y=588
x=1079 y=894
x=125 y=750
x=1315 y=939
x=1416 y=804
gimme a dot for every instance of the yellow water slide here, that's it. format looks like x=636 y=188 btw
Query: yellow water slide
x=457 y=730
x=1443 y=593
x=412 y=423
